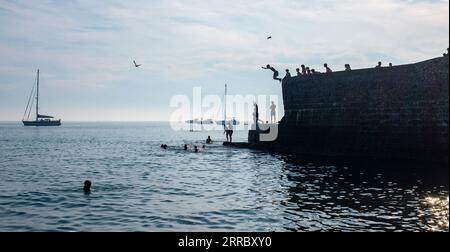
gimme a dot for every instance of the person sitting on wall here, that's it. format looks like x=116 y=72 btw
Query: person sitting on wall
x=328 y=70
x=390 y=64
x=313 y=71
x=298 y=72
x=303 y=69
x=288 y=74
x=347 y=67
x=446 y=54
x=308 y=71
x=275 y=72
x=379 y=65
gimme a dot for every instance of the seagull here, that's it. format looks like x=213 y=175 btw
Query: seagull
x=136 y=65
x=269 y=37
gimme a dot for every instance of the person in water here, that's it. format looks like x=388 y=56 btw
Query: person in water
x=87 y=186
x=195 y=148
x=209 y=140
x=275 y=72
x=185 y=147
x=229 y=131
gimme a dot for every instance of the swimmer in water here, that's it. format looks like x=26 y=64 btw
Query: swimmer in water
x=195 y=149
x=185 y=147
x=209 y=140
x=87 y=186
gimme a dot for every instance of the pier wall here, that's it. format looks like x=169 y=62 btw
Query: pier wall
x=398 y=112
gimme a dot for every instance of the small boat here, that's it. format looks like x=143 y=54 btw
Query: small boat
x=40 y=120
x=196 y=121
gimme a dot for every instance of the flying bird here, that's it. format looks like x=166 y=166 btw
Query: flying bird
x=136 y=65
x=269 y=37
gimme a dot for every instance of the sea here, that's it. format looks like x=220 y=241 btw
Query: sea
x=139 y=186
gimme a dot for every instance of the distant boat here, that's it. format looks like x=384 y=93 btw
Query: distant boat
x=196 y=121
x=40 y=120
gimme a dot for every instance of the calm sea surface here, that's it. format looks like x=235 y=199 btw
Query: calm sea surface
x=137 y=186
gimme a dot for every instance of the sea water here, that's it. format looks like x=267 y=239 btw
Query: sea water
x=138 y=186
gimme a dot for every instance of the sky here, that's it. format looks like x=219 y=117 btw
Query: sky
x=84 y=49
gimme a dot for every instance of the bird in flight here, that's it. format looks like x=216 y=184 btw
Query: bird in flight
x=136 y=65
x=269 y=37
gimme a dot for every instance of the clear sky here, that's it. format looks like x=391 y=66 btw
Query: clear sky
x=85 y=48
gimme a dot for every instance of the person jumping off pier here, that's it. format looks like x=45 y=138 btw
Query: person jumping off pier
x=275 y=72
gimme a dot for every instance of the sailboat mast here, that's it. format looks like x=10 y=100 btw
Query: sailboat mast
x=37 y=96
x=225 y=107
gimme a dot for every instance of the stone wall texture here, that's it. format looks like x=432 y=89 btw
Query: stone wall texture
x=398 y=112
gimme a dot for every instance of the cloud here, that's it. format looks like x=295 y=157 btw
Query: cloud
x=89 y=45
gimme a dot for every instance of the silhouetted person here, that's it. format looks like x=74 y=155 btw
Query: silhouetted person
x=195 y=148
x=273 y=111
x=87 y=186
x=288 y=74
x=298 y=71
x=185 y=147
x=229 y=132
x=347 y=67
x=203 y=146
x=164 y=146
x=390 y=64
x=379 y=65
x=446 y=54
x=209 y=140
x=308 y=72
x=327 y=69
x=275 y=72
x=303 y=69
x=313 y=71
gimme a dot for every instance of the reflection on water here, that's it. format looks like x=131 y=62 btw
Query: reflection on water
x=436 y=210
x=137 y=186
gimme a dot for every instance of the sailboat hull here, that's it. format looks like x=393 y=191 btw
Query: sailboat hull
x=42 y=123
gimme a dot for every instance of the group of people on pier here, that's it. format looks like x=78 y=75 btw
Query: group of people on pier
x=304 y=70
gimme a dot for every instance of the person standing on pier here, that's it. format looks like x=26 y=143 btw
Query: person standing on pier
x=275 y=72
x=229 y=131
x=273 y=115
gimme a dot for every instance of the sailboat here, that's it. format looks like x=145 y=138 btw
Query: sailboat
x=40 y=120
x=225 y=121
